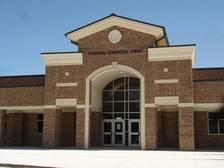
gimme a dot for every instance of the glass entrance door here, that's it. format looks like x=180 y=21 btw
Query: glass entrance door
x=119 y=139
x=114 y=131
x=107 y=132
x=134 y=133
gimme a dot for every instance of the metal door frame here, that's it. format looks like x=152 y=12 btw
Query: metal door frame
x=112 y=133
x=133 y=133
x=119 y=133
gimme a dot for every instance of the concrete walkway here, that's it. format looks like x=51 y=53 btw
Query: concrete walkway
x=110 y=158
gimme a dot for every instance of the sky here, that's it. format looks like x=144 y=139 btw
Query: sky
x=29 y=27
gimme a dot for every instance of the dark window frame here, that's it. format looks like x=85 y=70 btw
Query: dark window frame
x=218 y=119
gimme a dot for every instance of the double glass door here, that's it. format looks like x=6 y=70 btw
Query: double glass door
x=114 y=132
x=119 y=132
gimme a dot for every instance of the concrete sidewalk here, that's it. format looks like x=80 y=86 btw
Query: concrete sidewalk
x=110 y=158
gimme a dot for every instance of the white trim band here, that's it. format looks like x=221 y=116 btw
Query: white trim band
x=186 y=104
x=208 y=106
x=162 y=81
x=80 y=106
x=49 y=106
x=150 y=105
x=172 y=53
x=57 y=59
x=167 y=100
x=66 y=102
x=21 y=107
x=66 y=84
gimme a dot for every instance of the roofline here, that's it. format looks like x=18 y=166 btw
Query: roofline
x=208 y=80
x=13 y=86
x=60 y=52
x=209 y=68
x=182 y=45
x=23 y=76
x=119 y=17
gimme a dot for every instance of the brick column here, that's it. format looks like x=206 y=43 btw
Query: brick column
x=80 y=128
x=151 y=133
x=2 y=127
x=51 y=132
x=95 y=128
x=186 y=128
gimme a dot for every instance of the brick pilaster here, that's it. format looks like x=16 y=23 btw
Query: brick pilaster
x=51 y=132
x=186 y=128
x=80 y=128
x=2 y=127
x=151 y=133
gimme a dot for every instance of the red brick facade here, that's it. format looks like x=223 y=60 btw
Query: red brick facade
x=182 y=124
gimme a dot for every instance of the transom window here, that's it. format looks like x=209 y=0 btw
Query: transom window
x=121 y=99
x=216 y=122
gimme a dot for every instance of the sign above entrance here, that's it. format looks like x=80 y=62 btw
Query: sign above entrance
x=115 y=52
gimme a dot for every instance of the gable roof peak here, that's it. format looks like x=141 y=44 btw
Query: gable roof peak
x=116 y=20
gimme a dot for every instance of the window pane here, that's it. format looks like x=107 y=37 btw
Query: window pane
x=119 y=84
x=134 y=126
x=221 y=115
x=107 y=95
x=134 y=83
x=40 y=116
x=107 y=139
x=134 y=115
x=107 y=127
x=221 y=126
x=107 y=116
x=213 y=126
x=134 y=95
x=213 y=115
x=119 y=96
x=107 y=107
x=134 y=107
x=126 y=96
x=118 y=106
x=134 y=139
x=109 y=86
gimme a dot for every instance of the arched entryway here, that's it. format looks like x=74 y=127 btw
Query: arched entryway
x=121 y=112
x=96 y=84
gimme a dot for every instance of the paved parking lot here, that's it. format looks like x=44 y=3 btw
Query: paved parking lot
x=110 y=158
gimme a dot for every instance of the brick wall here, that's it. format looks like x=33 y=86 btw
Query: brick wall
x=130 y=39
x=202 y=139
x=29 y=80
x=95 y=128
x=209 y=92
x=208 y=74
x=22 y=96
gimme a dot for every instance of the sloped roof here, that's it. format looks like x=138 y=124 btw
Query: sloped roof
x=115 y=20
